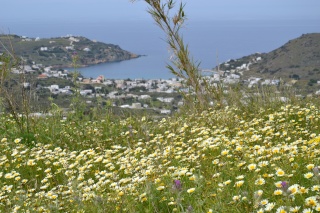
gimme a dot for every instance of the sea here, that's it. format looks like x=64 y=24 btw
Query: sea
x=209 y=42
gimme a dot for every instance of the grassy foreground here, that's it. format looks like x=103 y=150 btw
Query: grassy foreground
x=224 y=160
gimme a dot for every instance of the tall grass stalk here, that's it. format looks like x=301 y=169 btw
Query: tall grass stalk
x=171 y=18
x=17 y=101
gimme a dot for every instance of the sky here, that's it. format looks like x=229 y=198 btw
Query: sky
x=38 y=11
x=233 y=27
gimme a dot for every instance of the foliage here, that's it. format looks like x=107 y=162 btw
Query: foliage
x=171 y=20
x=219 y=160
x=311 y=82
x=253 y=151
x=58 y=51
x=16 y=97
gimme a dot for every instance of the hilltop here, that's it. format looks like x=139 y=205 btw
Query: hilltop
x=58 y=52
x=297 y=62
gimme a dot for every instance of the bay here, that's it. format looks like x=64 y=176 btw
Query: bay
x=210 y=42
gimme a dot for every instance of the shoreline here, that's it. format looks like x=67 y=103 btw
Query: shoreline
x=93 y=64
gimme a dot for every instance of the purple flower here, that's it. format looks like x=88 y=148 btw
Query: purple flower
x=284 y=184
x=177 y=185
x=189 y=209
x=316 y=170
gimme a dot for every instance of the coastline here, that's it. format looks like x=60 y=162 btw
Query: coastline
x=93 y=64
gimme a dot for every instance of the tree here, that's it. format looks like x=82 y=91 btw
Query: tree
x=311 y=82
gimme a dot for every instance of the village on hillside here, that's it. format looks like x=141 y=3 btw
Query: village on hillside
x=160 y=95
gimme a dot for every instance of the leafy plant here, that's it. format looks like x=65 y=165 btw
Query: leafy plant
x=17 y=100
x=171 y=20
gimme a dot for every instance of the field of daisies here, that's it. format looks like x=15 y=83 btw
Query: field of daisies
x=218 y=160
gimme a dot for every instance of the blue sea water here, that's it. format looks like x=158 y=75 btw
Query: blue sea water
x=210 y=42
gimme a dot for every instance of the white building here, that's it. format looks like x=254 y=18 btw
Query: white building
x=136 y=105
x=26 y=84
x=108 y=82
x=47 y=69
x=86 y=92
x=144 y=97
x=165 y=111
x=74 y=39
x=165 y=100
x=54 y=88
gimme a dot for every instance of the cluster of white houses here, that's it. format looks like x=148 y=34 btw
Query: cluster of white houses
x=126 y=87
x=71 y=38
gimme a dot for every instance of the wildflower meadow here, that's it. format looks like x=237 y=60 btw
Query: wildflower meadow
x=247 y=153
x=217 y=160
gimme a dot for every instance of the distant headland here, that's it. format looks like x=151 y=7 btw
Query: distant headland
x=61 y=51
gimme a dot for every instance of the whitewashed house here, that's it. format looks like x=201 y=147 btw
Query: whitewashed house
x=86 y=92
x=165 y=111
x=26 y=85
x=136 y=105
x=144 y=97
x=54 y=88
x=69 y=48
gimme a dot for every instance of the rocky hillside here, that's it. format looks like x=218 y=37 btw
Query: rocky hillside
x=298 y=59
x=59 y=52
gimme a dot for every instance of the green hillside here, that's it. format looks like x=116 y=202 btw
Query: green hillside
x=296 y=61
x=58 y=52
x=219 y=160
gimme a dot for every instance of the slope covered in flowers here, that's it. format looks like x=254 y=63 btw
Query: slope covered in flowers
x=214 y=161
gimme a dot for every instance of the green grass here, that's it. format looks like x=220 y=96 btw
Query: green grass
x=250 y=152
x=227 y=160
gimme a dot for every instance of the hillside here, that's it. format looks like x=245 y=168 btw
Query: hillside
x=216 y=161
x=58 y=51
x=298 y=60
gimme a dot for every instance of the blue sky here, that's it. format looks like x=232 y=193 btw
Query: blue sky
x=212 y=25
x=26 y=11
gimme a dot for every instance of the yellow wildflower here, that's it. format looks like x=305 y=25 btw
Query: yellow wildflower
x=191 y=190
